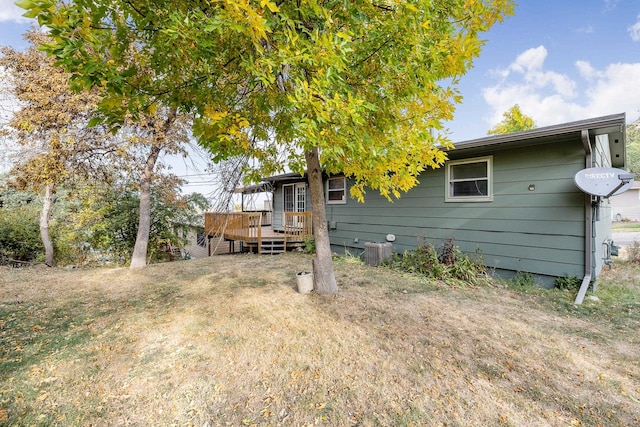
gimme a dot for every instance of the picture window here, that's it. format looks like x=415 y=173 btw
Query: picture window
x=469 y=180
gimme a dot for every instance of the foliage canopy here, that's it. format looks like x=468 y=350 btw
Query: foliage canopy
x=633 y=148
x=365 y=82
x=514 y=121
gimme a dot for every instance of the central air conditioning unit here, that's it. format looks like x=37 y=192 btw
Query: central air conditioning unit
x=376 y=253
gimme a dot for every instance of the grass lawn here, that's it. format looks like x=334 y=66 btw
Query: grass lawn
x=625 y=226
x=228 y=341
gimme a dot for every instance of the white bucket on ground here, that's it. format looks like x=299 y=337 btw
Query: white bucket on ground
x=305 y=281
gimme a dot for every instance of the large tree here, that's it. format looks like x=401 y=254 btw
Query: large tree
x=49 y=125
x=353 y=87
x=61 y=135
x=154 y=132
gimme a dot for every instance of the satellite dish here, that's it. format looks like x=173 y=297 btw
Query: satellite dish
x=603 y=182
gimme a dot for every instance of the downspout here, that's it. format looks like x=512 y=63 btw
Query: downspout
x=588 y=226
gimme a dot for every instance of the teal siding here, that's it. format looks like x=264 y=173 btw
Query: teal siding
x=540 y=232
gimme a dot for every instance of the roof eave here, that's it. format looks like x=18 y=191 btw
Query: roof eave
x=612 y=124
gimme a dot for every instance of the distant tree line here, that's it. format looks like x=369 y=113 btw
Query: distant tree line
x=633 y=148
x=94 y=223
x=513 y=120
x=78 y=185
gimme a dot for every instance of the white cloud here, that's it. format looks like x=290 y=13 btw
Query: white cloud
x=529 y=60
x=530 y=64
x=616 y=90
x=610 y=5
x=551 y=98
x=587 y=29
x=634 y=31
x=587 y=71
x=11 y=12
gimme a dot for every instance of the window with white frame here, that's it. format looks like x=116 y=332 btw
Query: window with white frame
x=469 y=180
x=336 y=190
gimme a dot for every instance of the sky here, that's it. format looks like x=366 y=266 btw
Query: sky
x=559 y=60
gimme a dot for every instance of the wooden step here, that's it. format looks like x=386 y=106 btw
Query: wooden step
x=270 y=247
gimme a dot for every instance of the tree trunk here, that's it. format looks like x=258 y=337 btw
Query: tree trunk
x=139 y=256
x=45 y=215
x=323 y=275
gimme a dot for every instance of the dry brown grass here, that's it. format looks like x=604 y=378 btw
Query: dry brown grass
x=228 y=341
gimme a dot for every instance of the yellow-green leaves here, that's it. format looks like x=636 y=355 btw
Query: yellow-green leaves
x=270 y=5
x=361 y=81
x=35 y=8
x=513 y=121
x=244 y=17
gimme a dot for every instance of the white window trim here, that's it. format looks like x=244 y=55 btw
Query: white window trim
x=343 y=201
x=488 y=198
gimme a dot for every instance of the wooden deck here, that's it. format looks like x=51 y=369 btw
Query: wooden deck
x=249 y=230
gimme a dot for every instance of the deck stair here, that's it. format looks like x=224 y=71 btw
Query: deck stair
x=271 y=247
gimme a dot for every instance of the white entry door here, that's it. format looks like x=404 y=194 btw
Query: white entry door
x=295 y=197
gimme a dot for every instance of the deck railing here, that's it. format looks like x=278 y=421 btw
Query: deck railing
x=298 y=225
x=247 y=226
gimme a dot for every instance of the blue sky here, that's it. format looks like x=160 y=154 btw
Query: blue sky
x=560 y=60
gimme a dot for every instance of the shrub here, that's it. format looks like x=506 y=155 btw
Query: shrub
x=309 y=245
x=523 y=279
x=568 y=283
x=446 y=263
x=448 y=252
x=424 y=261
x=20 y=233
x=633 y=252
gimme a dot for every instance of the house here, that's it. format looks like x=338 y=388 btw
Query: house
x=251 y=230
x=626 y=206
x=510 y=198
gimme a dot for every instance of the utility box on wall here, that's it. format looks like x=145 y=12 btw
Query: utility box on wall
x=376 y=253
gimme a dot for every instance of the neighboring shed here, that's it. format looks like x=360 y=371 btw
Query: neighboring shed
x=196 y=246
x=626 y=206
x=510 y=198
